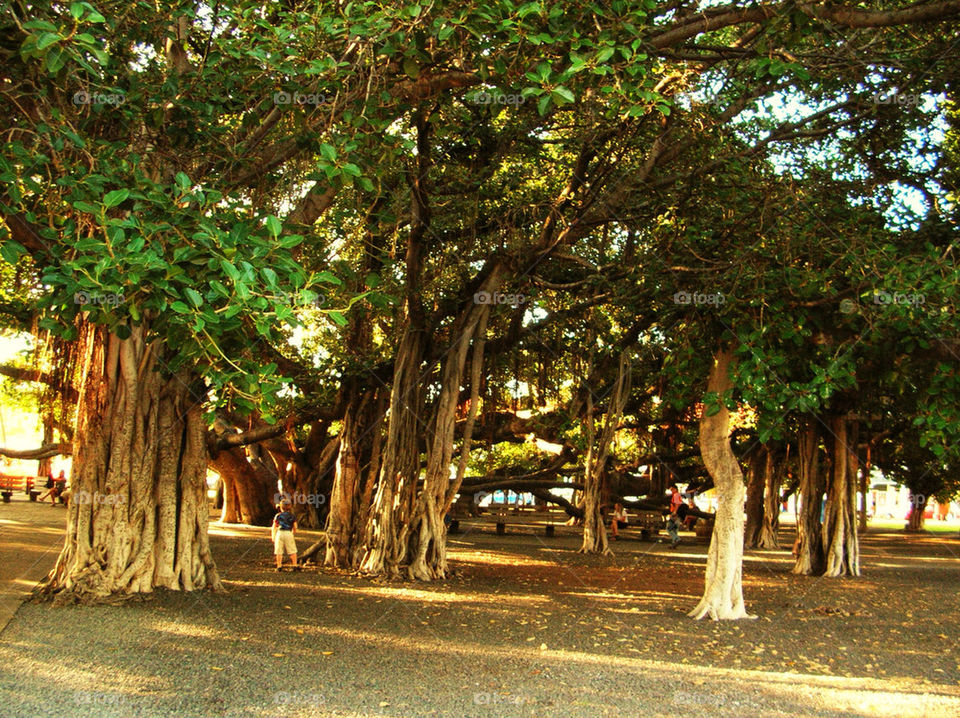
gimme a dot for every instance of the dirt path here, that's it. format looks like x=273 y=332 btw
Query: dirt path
x=526 y=627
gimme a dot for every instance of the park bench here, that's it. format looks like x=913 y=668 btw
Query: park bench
x=648 y=523
x=11 y=484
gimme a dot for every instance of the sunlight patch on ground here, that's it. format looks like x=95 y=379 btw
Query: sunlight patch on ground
x=496 y=558
x=189 y=630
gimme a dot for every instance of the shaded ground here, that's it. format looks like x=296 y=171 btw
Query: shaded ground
x=526 y=627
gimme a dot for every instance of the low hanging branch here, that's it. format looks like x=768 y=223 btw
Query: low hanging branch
x=44 y=452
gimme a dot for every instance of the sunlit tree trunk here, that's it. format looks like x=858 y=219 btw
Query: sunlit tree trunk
x=723 y=590
x=137 y=518
x=841 y=544
x=384 y=540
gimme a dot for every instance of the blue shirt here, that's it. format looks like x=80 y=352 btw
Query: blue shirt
x=284 y=521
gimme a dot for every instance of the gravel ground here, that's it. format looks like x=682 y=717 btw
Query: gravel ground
x=526 y=627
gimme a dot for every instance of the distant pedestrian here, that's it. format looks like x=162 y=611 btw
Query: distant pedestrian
x=673 y=519
x=283 y=531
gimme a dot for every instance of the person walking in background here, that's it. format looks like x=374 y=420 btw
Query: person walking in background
x=283 y=531
x=673 y=519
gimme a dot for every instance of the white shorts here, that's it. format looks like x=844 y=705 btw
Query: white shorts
x=284 y=542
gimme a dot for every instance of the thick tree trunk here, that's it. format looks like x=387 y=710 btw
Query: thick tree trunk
x=723 y=591
x=384 y=546
x=841 y=544
x=428 y=532
x=772 y=471
x=253 y=487
x=230 y=512
x=359 y=446
x=809 y=548
x=918 y=507
x=137 y=518
x=756 y=480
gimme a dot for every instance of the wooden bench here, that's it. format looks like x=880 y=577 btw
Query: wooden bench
x=11 y=484
x=648 y=523
x=549 y=527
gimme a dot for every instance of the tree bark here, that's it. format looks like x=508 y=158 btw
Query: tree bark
x=594 y=475
x=841 y=544
x=45 y=465
x=772 y=471
x=137 y=518
x=918 y=507
x=384 y=548
x=864 y=491
x=723 y=589
x=249 y=489
x=809 y=550
x=428 y=533
x=350 y=493
x=229 y=513
x=754 y=506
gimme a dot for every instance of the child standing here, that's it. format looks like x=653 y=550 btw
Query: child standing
x=282 y=532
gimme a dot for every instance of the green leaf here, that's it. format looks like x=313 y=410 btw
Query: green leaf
x=562 y=96
x=194 y=296
x=274 y=226
x=328 y=277
x=47 y=39
x=230 y=270
x=112 y=199
x=338 y=318
x=180 y=308
x=12 y=251
x=328 y=152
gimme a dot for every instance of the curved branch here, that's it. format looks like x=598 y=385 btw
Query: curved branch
x=44 y=452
